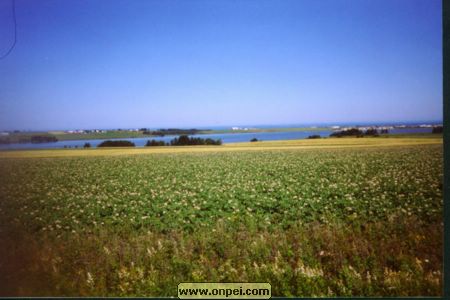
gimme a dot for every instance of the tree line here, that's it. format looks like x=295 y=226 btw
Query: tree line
x=358 y=133
x=182 y=140
x=119 y=143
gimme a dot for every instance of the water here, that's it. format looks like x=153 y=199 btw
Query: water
x=225 y=137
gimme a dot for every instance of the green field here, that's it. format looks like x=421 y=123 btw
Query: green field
x=110 y=134
x=332 y=217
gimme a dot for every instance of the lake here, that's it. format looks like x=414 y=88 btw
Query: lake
x=225 y=137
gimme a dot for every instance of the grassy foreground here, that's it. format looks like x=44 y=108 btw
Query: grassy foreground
x=334 y=217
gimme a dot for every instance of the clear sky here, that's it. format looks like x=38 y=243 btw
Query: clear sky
x=182 y=63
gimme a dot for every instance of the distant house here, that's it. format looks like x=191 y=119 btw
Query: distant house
x=4 y=133
x=75 y=131
x=235 y=128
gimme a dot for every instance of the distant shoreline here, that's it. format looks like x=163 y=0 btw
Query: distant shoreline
x=25 y=137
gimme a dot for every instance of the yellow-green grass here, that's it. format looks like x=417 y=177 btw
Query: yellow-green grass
x=249 y=146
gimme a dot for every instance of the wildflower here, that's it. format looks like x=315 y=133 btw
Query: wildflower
x=90 y=279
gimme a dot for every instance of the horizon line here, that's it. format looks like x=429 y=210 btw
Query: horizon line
x=278 y=125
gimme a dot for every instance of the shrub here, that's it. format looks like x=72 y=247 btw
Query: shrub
x=254 y=140
x=348 y=132
x=372 y=132
x=314 y=136
x=438 y=129
x=152 y=143
x=87 y=145
x=209 y=141
x=109 y=143
x=184 y=140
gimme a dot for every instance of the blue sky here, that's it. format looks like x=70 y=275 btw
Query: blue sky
x=117 y=63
